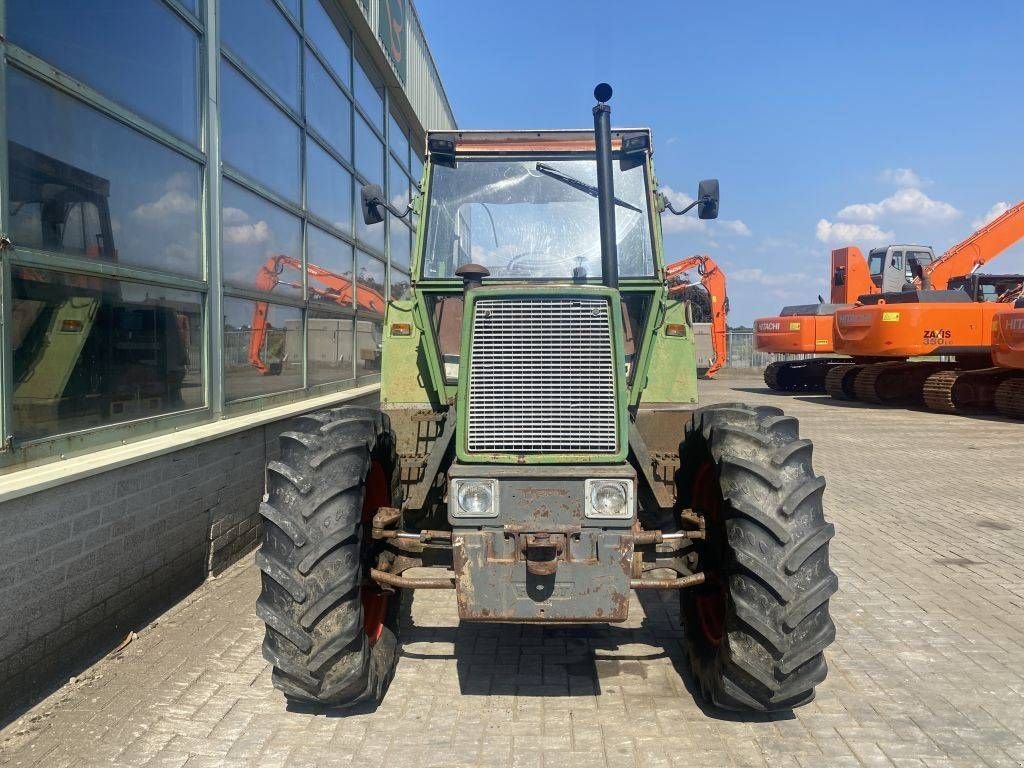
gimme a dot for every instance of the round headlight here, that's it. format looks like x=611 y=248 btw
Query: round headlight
x=608 y=500
x=475 y=498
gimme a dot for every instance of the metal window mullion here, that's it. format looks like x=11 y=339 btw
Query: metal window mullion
x=260 y=190
x=326 y=146
x=304 y=231
x=6 y=299
x=185 y=14
x=248 y=294
x=387 y=196
x=236 y=61
x=214 y=336
x=59 y=262
x=36 y=67
x=345 y=89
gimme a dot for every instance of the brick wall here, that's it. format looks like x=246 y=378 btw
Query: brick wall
x=84 y=563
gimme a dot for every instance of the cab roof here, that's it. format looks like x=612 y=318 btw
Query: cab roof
x=563 y=140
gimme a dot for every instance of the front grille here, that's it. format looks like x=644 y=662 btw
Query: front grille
x=542 y=377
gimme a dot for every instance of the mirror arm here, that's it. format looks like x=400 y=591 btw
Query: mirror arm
x=668 y=205
x=391 y=209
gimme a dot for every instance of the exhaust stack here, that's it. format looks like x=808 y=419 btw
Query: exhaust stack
x=605 y=185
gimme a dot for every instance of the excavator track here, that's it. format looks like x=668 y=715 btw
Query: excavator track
x=959 y=391
x=1009 y=398
x=938 y=391
x=891 y=382
x=839 y=381
x=800 y=375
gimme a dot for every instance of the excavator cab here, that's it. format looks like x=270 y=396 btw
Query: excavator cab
x=895 y=267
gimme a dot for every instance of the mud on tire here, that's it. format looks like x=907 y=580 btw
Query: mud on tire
x=757 y=629
x=331 y=639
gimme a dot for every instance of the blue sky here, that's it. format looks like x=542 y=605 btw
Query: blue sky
x=828 y=124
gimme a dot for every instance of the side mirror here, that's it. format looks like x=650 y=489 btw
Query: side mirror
x=372 y=199
x=707 y=199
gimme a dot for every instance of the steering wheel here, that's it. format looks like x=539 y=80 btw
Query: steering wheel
x=510 y=269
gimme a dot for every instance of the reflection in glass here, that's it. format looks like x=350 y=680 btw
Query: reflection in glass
x=325 y=37
x=398 y=185
x=269 y=46
x=293 y=6
x=89 y=351
x=401 y=243
x=140 y=54
x=416 y=168
x=262 y=348
x=330 y=268
x=524 y=218
x=328 y=187
x=397 y=141
x=369 y=153
x=253 y=232
x=369 y=96
x=370 y=283
x=368 y=343
x=85 y=185
x=329 y=348
x=257 y=137
x=328 y=110
x=401 y=285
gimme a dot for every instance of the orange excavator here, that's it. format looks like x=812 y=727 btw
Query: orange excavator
x=712 y=279
x=935 y=316
x=336 y=288
x=1008 y=354
x=806 y=329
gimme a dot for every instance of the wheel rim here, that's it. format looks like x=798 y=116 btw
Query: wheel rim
x=375 y=602
x=710 y=599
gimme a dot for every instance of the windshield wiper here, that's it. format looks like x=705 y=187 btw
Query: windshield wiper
x=582 y=186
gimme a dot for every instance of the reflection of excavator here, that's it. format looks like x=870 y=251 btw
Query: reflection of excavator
x=713 y=280
x=806 y=329
x=335 y=288
x=85 y=352
x=929 y=319
x=1008 y=354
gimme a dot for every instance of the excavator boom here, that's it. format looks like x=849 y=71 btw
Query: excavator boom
x=977 y=250
x=712 y=278
x=332 y=287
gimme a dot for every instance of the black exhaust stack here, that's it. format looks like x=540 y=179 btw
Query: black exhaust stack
x=605 y=185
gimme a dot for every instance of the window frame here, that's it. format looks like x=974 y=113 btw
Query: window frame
x=204 y=23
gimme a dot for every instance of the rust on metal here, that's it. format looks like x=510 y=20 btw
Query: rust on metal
x=404 y=582
x=680 y=583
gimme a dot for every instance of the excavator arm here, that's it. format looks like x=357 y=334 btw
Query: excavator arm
x=332 y=287
x=978 y=249
x=712 y=278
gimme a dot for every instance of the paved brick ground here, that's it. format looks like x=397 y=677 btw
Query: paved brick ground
x=928 y=669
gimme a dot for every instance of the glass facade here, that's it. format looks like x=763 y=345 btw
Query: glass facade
x=148 y=286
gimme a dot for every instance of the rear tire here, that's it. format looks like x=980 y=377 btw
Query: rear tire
x=331 y=638
x=757 y=628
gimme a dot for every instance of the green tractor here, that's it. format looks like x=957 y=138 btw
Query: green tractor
x=538 y=447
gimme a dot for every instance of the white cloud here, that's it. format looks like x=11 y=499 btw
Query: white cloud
x=234 y=216
x=909 y=203
x=768 y=279
x=172 y=202
x=902 y=177
x=845 y=233
x=247 y=234
x=670 y=223
x=997 y=210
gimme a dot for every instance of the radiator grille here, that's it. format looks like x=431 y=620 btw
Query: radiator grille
x=542 y=377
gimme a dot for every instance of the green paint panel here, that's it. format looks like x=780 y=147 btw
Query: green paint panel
x=404 y=369
x=671 y=375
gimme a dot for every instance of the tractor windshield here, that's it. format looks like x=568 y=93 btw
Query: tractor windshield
x=533 y=218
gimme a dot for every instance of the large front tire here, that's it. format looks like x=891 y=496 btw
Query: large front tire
x=331 y=638
x=757 y=628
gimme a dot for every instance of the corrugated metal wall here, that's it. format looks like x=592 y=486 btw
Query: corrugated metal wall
x=423 y=86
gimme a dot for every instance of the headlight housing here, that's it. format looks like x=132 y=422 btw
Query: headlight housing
x=608 y=499
x=470 y=497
